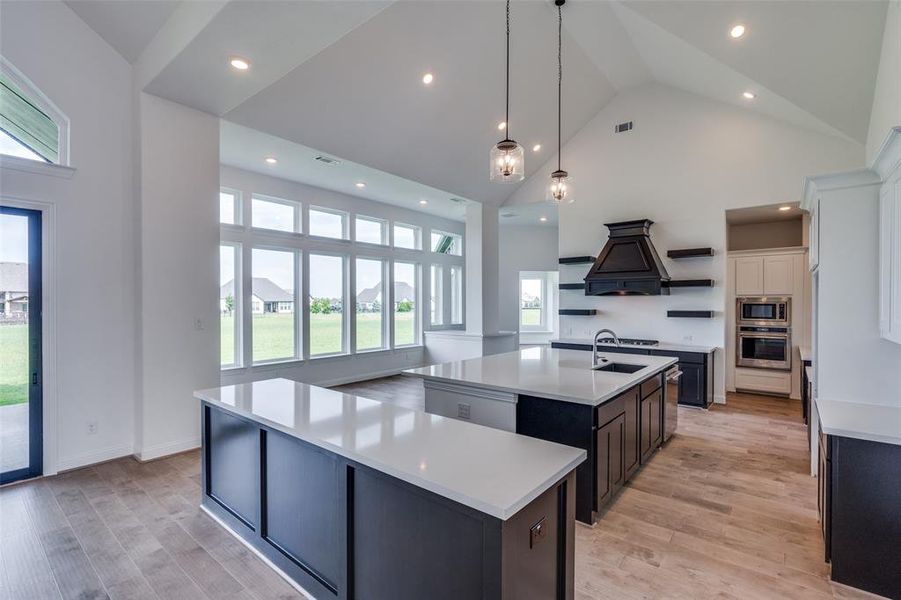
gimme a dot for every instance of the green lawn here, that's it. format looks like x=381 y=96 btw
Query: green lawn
x=13 y=364
x=530 y=316
x=273 y=336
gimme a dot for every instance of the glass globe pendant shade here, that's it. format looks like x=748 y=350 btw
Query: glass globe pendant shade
x=507 y=162
x=560 y=188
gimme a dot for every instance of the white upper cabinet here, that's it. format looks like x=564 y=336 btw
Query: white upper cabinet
x=764 y=275
x=777 y=275
x=749 y=276
x=890 y=258
x=813 y=255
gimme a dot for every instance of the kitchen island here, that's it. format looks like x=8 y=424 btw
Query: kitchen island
x=616 y=414
x=351 y=498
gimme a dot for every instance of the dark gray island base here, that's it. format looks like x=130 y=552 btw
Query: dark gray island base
x=342 y=529
x=619 y=436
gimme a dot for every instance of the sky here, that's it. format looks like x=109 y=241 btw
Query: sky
x=13 y=238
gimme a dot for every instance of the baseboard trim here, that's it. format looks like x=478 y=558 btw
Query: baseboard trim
x=361 y=377
x=719 y=399
x=258 y=554
x=162 y=450
x=91 y=458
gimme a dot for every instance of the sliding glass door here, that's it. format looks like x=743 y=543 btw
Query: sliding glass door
x=20 y=344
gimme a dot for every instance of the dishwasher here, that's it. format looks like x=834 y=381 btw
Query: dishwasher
x=671 y=401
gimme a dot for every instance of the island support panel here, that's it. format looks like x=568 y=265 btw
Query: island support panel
x=344 y=530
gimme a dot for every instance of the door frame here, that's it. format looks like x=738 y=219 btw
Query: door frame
x=35 y=363
x=49 y=400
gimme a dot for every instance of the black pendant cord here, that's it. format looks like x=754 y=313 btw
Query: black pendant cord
x=507 y=109
x=559 y=82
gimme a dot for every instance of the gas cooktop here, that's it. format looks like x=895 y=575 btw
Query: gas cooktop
x=629 y=341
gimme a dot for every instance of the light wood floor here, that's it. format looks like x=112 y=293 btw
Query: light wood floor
x=725 y=510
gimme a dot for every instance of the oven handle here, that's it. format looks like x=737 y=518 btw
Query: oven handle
x=781 y=336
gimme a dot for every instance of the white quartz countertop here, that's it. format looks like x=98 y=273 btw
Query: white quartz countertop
x=492 y=471
x=661 y=346
x=861 y=421
x=547 y=372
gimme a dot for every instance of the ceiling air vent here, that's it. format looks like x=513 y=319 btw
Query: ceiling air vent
x=328 y=160
x=623 y=127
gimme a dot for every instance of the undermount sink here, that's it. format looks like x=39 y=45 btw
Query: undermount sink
x=615 y=367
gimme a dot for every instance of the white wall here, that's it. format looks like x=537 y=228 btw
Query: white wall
x=523 y=248
x=179 y=284
x=334 y=370
x=887 y=99
x=687 y=160
x=93 y=231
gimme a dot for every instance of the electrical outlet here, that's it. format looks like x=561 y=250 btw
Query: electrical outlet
x=463 y=411
x=92 y=427
x=687 y=338
x=198 y=324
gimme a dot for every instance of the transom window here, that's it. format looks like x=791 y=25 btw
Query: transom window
x=371 y=230
x=447 y=243
x=31 y=127
x=329 y=223
x=274 y=214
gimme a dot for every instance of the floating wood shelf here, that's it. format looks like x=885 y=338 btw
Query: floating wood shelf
x=690 y=314
x=572 y=286
x=576 y=260
x=690 y=252
x=683 y=283
x=578 y=312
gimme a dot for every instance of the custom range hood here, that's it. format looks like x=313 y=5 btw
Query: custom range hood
x=628 y=265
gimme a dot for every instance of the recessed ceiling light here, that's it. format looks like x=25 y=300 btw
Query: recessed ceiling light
x=785 y=208
x=502 y=124
x=360 y=184
x=428 y=78
x=536 y=147
x=423 y=202
x=271 y=160
x=542 y=219
x=749 y=95
x=241 y=64
x=737 y=31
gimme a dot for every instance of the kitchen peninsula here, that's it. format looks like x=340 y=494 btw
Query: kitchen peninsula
x=342 y=493
x=616 y=413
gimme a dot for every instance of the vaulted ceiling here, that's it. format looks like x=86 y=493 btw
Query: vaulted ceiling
x=344 y=77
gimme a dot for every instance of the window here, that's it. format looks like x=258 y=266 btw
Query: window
x=272 y=305
x=447 y=243
x=456 y=283
x=371 y=231
x=229 y=207
x=406 y=311
x=436 y=304
x=229 y=302
x=29 y=124
x=536 y=299
x=407 y=236
x=274 y=214
x=327 y=317
x=370 y=303
x=328 y=223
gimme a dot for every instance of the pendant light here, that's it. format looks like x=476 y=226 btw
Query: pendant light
x=560 y=188
x=507 y=157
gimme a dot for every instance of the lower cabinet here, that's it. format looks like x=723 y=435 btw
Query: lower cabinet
x=631 y=452
x=611 y=472
x=824 y=489
x=619 y=436
x=651 y=430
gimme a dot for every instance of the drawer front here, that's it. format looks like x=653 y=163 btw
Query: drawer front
x=651 y=385
x=612 y=409
x=762 y=380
